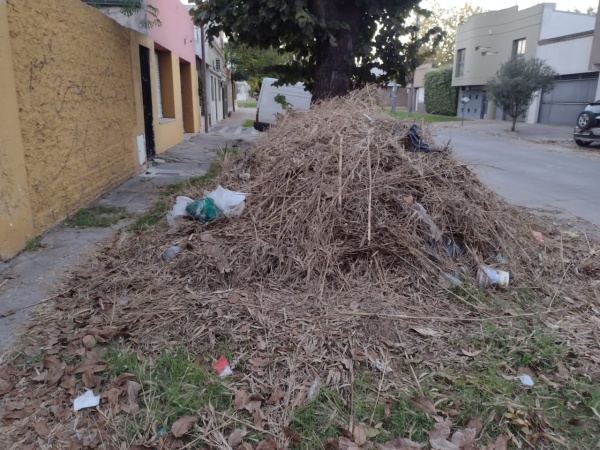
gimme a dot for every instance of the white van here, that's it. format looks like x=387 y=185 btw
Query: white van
x=267 y=107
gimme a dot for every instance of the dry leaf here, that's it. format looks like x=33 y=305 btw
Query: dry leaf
x=89 y=381
x=252 y=405
x=89 y=341
x=561 y=372
x=400 y=444
x=236 y=437
x=423 y=404
x=438 y=437
x=68 y=382
x=387 y=410
x=10 y=406
x=292 y=435
x=464 y=438
x=346 y=444
x=470 y=354
x=33 y=351
x=8 y=313
x=268 y=444
x=501 y=442
x=133 y=389
x=183 y=425
x=6 y=386
x=476 y=423
x=242 y=398
x=234 y=297
x=354 y=305
x=41 y=428
x=359 y=434
x=19 y=414
x=113 y=396
x=276 y=396
x=259 y=362
x=425 y=331
x=259 y=419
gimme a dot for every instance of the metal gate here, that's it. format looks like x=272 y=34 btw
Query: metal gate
x=570 y=96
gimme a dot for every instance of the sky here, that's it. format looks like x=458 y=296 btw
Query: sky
x=562 y=5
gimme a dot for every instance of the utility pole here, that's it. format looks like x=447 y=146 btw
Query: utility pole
x=205 y=87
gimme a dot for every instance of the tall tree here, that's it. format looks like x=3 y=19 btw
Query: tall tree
x=517 y=81
x=251 y=64
x=448 y=20
x=335 y=43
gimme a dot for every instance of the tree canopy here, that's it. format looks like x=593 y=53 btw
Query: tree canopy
x=447 y=19
x=517 y=81
x=335 y=43
x=252 y=64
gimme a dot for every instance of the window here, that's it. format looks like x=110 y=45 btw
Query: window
x=519 y=48
x=217 y=64
x=460 y=62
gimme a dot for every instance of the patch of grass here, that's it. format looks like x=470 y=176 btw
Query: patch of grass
x=173 y=386
x=158 y=210
x=248 y=123
x=100 y=216
x=420 y=116
x=33 y=244
x=248 y=104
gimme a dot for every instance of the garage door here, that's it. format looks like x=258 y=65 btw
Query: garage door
x=570 y=96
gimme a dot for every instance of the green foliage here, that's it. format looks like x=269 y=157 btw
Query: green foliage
x=447 y=19
x=252 y=64
x=335 y=45
x=97 y=216
x=131 y=7
x=282 y=101
x=33 y=245
x=440 y=97
x=517 y=81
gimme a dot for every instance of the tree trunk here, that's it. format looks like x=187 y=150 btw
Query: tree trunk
x=334 y=60
x=514 y=123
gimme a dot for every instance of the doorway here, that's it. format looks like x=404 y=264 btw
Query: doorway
x=147 y=101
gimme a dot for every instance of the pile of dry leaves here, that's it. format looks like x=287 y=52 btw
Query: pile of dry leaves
x=340 y=263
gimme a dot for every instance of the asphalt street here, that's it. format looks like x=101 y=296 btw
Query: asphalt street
x=528 y=173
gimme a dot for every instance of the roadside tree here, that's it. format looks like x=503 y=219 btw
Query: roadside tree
x=516 y=83
x=335 y=43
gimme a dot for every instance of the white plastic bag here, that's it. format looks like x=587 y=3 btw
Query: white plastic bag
x=230 y=203
x=178 y=209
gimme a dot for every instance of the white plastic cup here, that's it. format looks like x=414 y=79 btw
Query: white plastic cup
x=487 y=275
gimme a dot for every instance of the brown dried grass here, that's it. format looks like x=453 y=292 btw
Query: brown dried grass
x=331 y=265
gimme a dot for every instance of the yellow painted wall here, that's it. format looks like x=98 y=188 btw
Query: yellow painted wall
x=75 y=90
x=16 y=225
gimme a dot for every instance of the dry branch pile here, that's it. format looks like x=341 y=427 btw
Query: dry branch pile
x=337 y=262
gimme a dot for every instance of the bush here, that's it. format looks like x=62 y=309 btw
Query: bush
x=440 y=96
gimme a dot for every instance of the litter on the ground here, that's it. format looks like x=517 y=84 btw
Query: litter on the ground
x=203 y=209
x=228 y=202
x=382 y=366
x=178 y=210
x=538 y=235
x=171 y=252
x=416 y=142
x=87 y=400
x=222 y=367
x=487 y=275
x=526 y=380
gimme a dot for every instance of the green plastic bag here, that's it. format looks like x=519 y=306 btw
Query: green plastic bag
x=203 y=209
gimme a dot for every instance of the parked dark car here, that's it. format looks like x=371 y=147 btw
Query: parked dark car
x=587 y=129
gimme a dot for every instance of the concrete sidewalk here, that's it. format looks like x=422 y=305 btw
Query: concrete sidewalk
x=538 y=132
x=30 y=277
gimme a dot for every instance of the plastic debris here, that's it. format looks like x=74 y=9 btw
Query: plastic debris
x=203 y=209
x=171 y=252
x=87 y=400
x=314 y=388
x=487 y=275
x=222 y=367
x=416 y=142
x=230 y=203
x=526 y=380
x=381 y=366
x=178 y=209
x=500 y=259
x=538 y=235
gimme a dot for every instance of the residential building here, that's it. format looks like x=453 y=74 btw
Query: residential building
x=418 y=96
x=563 y=39
x=86 y=101
x=218 y=86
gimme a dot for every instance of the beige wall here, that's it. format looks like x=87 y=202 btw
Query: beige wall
x=16 y=225
x=496 y=30
x=420 y=74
